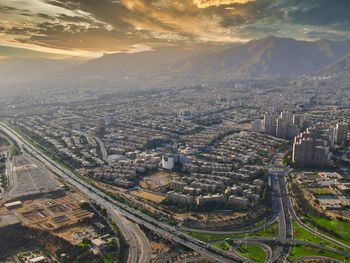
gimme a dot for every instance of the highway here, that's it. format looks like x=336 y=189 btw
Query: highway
x=267 y=249
x=274 y=217
x=129 y=219
x=310 y=229
x=102 y=199
x=289 y=214
x=272 y=220
x=280 y=254
x=138 y=243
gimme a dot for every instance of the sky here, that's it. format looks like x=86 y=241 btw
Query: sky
x=94 y=27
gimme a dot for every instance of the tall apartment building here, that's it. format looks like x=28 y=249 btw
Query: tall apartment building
x=270 y=124
x=258 y=126
x=109 y=119
x=341 y=132
x=298 y=120
x=292 y=130
x=285 y=127
x=281 y=126
x=312 y=148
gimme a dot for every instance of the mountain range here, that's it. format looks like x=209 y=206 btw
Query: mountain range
x=339 y=69
x=270 y=57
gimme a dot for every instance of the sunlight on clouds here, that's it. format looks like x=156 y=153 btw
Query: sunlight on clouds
x=134 y=5
x=87 y=27
x=208 y=3
x=74 y=52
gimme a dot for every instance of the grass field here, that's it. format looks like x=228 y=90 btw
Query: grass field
x=322 y=191
x=222 y=245
x=312 y=176
x=270 y=231
x=302 y=251
x=252 y=252
x=337 y=229
x=300 y=233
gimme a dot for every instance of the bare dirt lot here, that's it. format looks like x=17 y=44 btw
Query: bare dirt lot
x=53 y=211
x=148 y=196
x=75 y=234
x=159 y=179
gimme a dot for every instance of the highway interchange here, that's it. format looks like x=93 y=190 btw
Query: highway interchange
x=102 y=199
x=129 y=219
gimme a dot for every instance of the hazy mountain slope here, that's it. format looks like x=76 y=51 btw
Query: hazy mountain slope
x=272 y=57
x=267 y=57
x=338 y=70
x=339 y=67
x=262 y=58
x=15 y=70
x=126 y=65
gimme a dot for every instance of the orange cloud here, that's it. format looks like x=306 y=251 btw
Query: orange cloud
x=208 y=3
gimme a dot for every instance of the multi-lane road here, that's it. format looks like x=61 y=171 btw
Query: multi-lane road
x=138 y=243
x=129 y=219
x=111 y=205
x=287 y=214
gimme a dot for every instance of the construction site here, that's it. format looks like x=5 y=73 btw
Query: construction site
x=37 y=199
x=53 y=211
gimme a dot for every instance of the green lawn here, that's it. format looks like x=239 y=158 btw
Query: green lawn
x=15 y=150
x=223 y=245
x=322 y=191
x=84 y=245
x=271 y=230
x=252 y=252
x=300 y=233
x=301 y=251
x=335 y=228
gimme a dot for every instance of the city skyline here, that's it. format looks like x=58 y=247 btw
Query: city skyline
x=171 y=131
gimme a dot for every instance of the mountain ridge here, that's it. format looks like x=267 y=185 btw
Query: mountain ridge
x=269 y=57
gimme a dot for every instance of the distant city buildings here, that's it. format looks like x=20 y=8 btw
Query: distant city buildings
x=341 y=132
x=168 y=162
x=258 y=126
x=285 y=125
x=185 y=115
x=312 y=148
x=108 y=119
x=269 y=124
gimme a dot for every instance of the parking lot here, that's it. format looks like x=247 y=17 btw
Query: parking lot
x=28 y=178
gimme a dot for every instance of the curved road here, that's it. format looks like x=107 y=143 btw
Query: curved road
x=267 y=249
x=105 y=201
x=138 y=244
x=136 y=237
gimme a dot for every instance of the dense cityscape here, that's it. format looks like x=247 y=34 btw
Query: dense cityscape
x=129 y=136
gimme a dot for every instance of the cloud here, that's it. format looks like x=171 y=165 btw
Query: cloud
x=209 y=3
x=117 y=25
x=316 y=12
